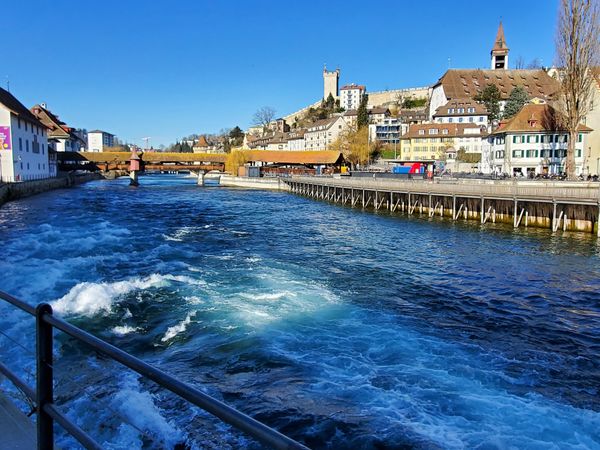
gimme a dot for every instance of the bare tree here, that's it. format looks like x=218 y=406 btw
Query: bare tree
x=519 y=63
x=577 y=52
x=263 y=117
x=535 y=63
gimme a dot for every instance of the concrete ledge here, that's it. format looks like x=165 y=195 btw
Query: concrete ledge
x=274 y=184
x=15 y=191
x=17 y=431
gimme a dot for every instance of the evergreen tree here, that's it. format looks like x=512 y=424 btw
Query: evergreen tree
x=362 y=114
x=517 y=98
x=330 y=102
x=490 y=97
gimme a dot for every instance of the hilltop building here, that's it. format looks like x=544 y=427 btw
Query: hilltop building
x=351 y=96
x=61 y=137
x=23 y=142
x=331 y=82
x=98 y=140
x=532 y=142
x=321 y=134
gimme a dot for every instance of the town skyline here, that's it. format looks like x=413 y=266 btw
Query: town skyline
x=202 y=94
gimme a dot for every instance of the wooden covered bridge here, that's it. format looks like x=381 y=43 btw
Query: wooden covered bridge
x=150 y=161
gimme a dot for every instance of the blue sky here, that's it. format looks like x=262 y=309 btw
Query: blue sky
x=172 y=68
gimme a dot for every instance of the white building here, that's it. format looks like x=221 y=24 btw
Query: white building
x=23 y=142
x=351 y=96
x=296 y=140
x=321 y=134
x=462 y=111
x=532 y=143
x=98 y=140
x=61 y=137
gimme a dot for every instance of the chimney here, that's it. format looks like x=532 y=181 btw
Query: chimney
x=43 y=105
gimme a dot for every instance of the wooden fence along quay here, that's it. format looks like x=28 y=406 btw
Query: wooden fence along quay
x=562 y=205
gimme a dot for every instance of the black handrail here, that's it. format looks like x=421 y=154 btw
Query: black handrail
x=48 y=412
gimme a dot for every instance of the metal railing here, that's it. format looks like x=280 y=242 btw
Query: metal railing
x=47 y=411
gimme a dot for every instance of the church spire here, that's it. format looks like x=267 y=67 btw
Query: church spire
x=500 y=50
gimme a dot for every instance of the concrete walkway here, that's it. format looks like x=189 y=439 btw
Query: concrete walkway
x=17 y=431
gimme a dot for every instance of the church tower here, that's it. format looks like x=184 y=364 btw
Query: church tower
x=330 y=83
x=500 y=51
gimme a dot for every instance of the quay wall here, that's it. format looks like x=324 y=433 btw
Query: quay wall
x=275 y=184
x=15 y=191
x=553 y=205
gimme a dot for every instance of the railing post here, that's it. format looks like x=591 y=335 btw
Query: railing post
x=44 y=379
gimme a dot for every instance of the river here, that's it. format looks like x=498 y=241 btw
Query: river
x=339 y=327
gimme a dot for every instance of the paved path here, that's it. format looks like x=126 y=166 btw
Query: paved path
x=17 y=431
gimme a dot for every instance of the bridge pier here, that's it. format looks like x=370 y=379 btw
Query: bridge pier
x=201 y=178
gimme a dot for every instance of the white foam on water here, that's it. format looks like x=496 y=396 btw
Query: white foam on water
x=179 y=328
x=123 y=330
x=94 y=298
x=139 y=409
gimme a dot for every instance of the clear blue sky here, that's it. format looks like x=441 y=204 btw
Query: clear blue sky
x=170 y=69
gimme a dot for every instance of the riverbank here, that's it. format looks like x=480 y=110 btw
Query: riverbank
x=15 y=191
x=274 y=184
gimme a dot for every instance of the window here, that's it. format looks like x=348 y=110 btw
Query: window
x=421 y=132
x=451 y=111
x=19 y=124
x=522 y=139
x=580 y=138
x=460 y=119
x=578 y=153
x=481 y=119
x=444 y=131
x=500 y=154
x=26 y=145
x=25 y=126
x=433 y=131
x=450 y=120
x=532 y=154
x=471 y=119
x=20 y=144
x=546 y=153
x=517 y=153
x=461 y=110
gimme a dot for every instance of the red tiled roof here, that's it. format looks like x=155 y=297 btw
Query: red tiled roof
x=534 y=119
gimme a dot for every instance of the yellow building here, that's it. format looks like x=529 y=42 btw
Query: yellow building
x=431 y=140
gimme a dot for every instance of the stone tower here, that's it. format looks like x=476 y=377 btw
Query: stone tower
x=500 y=51
x=330 y=83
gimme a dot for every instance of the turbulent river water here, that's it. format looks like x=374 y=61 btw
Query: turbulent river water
x=341 y=328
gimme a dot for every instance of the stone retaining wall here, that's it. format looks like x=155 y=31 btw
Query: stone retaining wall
x=14 y=191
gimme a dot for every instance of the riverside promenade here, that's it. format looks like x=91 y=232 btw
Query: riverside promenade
x=17 y=431
x=555 y=205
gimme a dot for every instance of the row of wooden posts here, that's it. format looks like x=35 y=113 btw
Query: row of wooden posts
x=552 y=214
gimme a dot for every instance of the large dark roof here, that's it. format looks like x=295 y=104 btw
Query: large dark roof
x=467 y=83
x=9 y=100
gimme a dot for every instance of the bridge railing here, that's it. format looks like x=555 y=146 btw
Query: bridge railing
x=48 y=412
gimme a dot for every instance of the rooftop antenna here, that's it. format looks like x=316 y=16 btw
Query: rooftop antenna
x=449 y=62
x=146 y=140
x=7 y=84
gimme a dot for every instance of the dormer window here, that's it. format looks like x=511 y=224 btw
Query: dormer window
x=444 y=131
x=451 y=111
x=433 y=131
x=421 y=132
